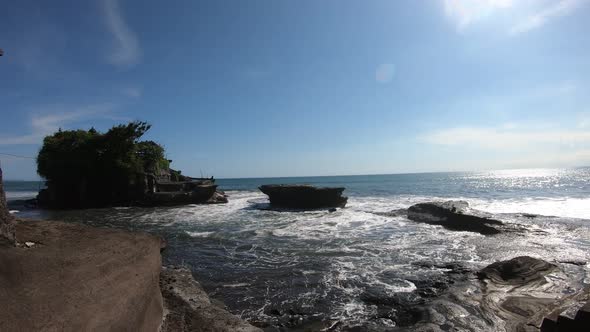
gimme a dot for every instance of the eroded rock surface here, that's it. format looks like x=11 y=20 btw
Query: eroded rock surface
x=188 y=307
x=80 y=278
x=517 y=271
x=520 y=294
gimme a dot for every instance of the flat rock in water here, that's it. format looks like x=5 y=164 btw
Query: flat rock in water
x=304 y=196
x=454 y=215
x=516 y=271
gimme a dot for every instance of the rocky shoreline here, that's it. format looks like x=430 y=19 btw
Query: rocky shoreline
x=187 y=307
x=72 y=277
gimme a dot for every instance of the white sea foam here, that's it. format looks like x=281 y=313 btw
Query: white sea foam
x=560 y=207
x=17 y=195
x=318 y=260
x=200 y=234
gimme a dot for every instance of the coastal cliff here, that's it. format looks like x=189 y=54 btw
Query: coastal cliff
x=71 y=277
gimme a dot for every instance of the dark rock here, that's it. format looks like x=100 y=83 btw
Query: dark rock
x=571 y=316
x=453 y=215
x=517 y=271
x=583 y=314
x=189 y=308
x=197 y=195
x=405 y=309
x=437 y=284
x=304 y=196
x=394 y=213
x=275 y=312
x=573 y=262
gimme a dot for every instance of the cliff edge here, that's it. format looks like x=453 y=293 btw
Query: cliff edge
x=70 y=277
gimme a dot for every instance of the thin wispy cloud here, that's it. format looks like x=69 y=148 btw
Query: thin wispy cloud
x=537 y=13
x=126 y=50
x=50 y=119
x=506 y=138
x=540 y=18
x=516 y=145
x=467 y=12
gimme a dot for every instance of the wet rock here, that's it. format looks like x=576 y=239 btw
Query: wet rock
x=189 y=308
x=436 y=285
x=394 y=213
x=274 y=312
x=304 y=196
x=454 y=215
x=452 y=267
x=405 y=309
x=573 y=262
x=198 y=194
x=571 y=317
x=516 y=271
x=219 y=197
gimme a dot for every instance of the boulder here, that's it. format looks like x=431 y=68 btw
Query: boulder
x=304 y=196
x=516 y=271
x=219 y=197
x=454 y=215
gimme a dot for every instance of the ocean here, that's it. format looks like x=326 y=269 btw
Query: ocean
x=353 y=268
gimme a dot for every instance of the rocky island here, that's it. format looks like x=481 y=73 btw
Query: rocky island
x=88 y=169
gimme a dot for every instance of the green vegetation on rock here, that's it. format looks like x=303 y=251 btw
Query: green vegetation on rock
x=88 y=168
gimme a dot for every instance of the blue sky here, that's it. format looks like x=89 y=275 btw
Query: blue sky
x=292 y=88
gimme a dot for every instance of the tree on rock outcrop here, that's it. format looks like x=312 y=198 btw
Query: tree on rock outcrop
x=87 y=168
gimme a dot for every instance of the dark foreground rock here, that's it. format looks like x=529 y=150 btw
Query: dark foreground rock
x=454 y=215
x=188 y=308
x=304 y=196
x=520 y=294
x=573 y=316
x=516 y=271
x=70 y=277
